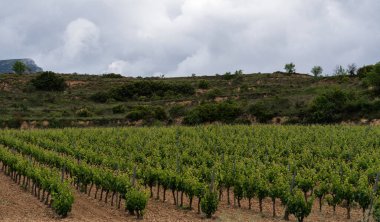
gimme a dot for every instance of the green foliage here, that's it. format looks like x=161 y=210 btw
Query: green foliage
x=209 y=203
x=363 y=71
x=213 y=93
x=112 y=76
x=118 y=109
x=373 y=77
x=317 y=71
x=177 y=111
x=83 y=112
x=376 y=211
x=136 y=202
x=225 y=112
x=63 y=199
x=49 y=81
x=290 y=68
x=100 y=97
x=363 y=193
x=203 y=84
x=150 y=89
x=298 y=206
x=147 y=113
x=19 y=67
x=262 y=113
x=328 y=107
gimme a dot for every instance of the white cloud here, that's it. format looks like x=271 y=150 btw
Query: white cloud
x=81 y=36
x=190 y=36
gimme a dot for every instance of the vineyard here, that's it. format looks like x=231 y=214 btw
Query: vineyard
x=295 y=170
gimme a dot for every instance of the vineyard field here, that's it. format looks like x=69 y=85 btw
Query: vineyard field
x=227 y=173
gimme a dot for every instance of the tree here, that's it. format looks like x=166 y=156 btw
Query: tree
x=19 y=67
x=340 y=71
x=290 y=68
x=317 y=71
x=352 y=69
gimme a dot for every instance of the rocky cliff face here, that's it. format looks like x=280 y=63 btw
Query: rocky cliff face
x=6 y=65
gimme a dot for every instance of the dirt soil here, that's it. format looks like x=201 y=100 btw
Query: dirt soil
x=17 y=205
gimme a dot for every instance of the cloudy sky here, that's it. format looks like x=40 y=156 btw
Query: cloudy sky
x=181 y=37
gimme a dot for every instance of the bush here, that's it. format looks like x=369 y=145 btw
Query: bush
x=328 y=107
x=261 y=112
x=212 y=94
x=151 y=89
x=203 y=84
x=373 y=77
x=147 y=113
x=225 y=112
x=49 y=81
x=112 y=76
x=363 y=71
x=100 y=97
x=118 y=109
x=209 y=203
x=177 y=111
x=83 y=112
x=135 y=202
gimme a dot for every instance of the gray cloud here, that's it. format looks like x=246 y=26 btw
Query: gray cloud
x=176 y=38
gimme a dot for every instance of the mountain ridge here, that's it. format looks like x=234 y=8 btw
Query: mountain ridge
x=6 y=66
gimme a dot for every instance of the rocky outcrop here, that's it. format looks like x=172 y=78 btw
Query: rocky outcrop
x=7 y=65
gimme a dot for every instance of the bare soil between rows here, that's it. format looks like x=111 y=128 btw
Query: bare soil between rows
x=18 y=205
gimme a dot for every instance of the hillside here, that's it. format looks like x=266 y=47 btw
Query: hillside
x=91 y=100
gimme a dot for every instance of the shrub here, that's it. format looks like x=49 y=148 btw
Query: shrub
x=147 y=113
x=225 y=112
x=112 y=76
x=83 y=112
x=203 y=84
x=150 y=89
x=135 y=202
x=212 y=94
x=328 y=107
x=49 y=81
x=261 y=112
x=118 y=109
x=209 y=203
x=100 y=97
x=363 y=71
x=177 y=111
x=373 y=77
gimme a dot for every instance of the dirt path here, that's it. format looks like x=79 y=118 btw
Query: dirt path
x=17 y=205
